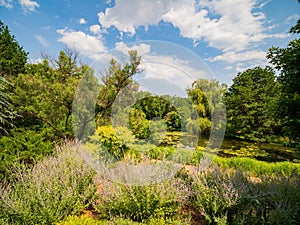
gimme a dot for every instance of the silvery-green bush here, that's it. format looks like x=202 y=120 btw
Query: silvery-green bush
x=52 y=189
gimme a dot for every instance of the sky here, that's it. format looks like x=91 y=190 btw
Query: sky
x=179 y=40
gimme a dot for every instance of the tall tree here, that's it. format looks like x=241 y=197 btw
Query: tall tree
x=7 y=112
x=104 y=96
x=44 y=94
x=12 y=56
x=248 y=104
x=287 y=61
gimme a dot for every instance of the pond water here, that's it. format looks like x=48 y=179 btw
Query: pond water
x=261 y=151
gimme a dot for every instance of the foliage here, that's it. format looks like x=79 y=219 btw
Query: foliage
x=12 y=55
x=248 y=104
x=83 y=220
x=114 y=81
x=236 y=198
x=7 y=111
x=207 y=98
x=110 y=141
x=24 y=146
x=173 y=121
x=139 y=124
x=139 y=203
x=54 y=188
x=287 y=109
x=154 y=106
x=49 y=102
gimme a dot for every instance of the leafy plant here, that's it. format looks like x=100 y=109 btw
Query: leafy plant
x=139 y=203
x=110 y=141
x=53 y=189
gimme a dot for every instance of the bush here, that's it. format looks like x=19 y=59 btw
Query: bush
x=53 y=189
x=83 y=220
x=140 y=203
x=160 y=152
x=24 y=146
x=236 y=198
x=110 y=141
x=182 y=156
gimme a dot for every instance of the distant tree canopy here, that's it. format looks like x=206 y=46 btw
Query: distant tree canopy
x=12 y=56
x=287 y=61
x=248 y=102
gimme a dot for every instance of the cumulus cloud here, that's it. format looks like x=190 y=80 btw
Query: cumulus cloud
x=6 y=3
x=232 y=57
x=28 y=5
x=166 y=67
x=126 y=16
x=95 y=29
x=224 y=25
x=82 y=21
x=142 y=48
x=86 y=45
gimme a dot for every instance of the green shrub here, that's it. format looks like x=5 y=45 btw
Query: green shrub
x=237 y=198
x=182 y=156
x=53 y=189
x=83 y=220
x=139 y=203
x=24 y=146
x=160 y=152
x=110 y=141
x=139 y=124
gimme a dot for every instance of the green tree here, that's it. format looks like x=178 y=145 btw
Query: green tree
x=12 y=56
x=7 y=112
x=44 y=94
x=207 y=97
x=248 y=101
x=287 y=61
x=113 y=82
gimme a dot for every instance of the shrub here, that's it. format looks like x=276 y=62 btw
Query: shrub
x=182 y=155
x=83 y=220
x=53 y=189
x=140 y=203
x=160 y=152
x=111 y=142
x=24 y=146
x=237 y=198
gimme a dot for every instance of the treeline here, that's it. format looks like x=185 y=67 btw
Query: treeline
x=36 y=101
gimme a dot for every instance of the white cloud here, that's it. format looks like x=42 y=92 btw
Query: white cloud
x=171 y=68
x=6 y=3
x=28 y=5
x=127 y=15
x=232 y=57
x=294 y=17
x=86 y=45
x=95 y=29
x=263 y=4
x=36 y=61
x=42 y=40
x=142 y=48
x=82 y=21
x=225 y=25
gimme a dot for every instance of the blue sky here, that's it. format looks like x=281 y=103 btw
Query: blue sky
x=228 y=35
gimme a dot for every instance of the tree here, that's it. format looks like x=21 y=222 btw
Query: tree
x=7 y=112
x=207 y=97
x=248 y=103
x=114 y=81
x=287 y=61
x=44 y=95
x=12 y=56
